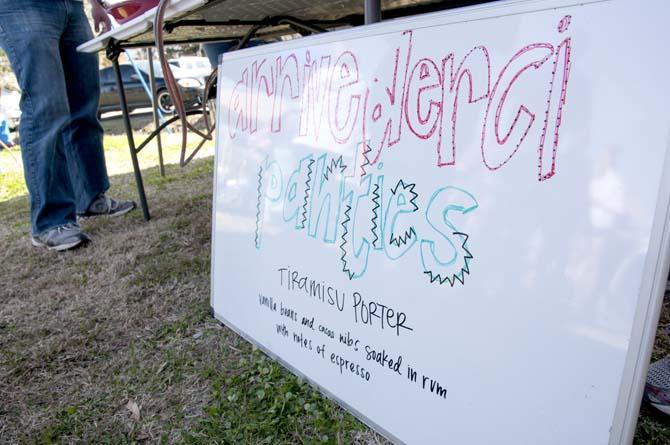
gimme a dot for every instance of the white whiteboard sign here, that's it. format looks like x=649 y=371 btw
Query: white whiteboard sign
x=452 y=223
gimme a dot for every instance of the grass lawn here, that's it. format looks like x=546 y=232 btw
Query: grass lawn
x=113 y=343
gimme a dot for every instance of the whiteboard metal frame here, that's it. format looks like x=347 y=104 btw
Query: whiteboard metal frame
x=657 y=261
x=647 y=313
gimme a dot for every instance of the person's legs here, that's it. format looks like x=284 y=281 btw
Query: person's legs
x=86 y=159
x=30 y=33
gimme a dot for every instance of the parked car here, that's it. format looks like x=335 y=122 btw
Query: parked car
x=136 y=95
x=193 y=66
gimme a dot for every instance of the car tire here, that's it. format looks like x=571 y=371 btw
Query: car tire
x=164 y=102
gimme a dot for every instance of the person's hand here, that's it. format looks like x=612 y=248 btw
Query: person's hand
x=100 y=17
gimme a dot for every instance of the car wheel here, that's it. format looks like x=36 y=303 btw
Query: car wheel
x=164 y=102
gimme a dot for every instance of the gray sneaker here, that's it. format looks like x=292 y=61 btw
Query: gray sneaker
x=657 y=389
x=65 y=237
x=104 y=205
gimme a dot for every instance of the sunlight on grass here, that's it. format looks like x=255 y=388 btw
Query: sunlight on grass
x=117 y=155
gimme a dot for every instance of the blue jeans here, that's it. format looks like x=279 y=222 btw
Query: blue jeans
x=59 y=133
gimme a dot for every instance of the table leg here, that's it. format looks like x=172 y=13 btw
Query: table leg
x=373 y=11
x=154 y=105
x=131 y=140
